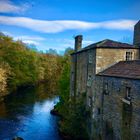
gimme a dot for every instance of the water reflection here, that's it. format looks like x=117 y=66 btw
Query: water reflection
x=28 y=115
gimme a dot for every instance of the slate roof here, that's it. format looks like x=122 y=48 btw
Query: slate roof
x=107 y=43
x=124 y=69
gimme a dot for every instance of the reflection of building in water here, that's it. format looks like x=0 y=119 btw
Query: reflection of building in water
x=109 y=73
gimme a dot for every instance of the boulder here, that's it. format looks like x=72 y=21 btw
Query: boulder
x=17 y=138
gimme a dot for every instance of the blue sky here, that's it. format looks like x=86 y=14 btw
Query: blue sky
x=54 y=23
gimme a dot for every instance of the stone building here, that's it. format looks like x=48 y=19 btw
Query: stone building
x=119 y=88
x=87 y=64
x=137 y=34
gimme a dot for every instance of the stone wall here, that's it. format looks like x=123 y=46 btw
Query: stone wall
x=137 y=34
x=81 y=72
x=84 y=69
x=101 y=58
x=106 y=111
x=123 y=119
x=106 y=57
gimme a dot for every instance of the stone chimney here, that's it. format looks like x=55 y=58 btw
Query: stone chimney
x=78 y=42
x=137 y=34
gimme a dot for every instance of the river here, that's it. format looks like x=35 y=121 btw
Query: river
x=27 y=114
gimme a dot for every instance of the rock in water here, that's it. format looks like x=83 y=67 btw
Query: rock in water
x=17 y=138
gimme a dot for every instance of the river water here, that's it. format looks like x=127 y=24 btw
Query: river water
x=27 y=114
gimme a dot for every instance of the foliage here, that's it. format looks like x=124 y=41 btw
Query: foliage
x=74 y=122
x=28 y=66
x=21 y=66
x=73 y=115
x=51 y=51
x=4 y=72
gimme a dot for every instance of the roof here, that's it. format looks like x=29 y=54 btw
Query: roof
x=107 y=43
x=124 y=69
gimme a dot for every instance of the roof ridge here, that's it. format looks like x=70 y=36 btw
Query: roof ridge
x=105 y=40
x=108 y=43
x=124 y=69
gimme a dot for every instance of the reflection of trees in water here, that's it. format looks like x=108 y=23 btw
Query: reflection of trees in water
x=2 y=110
x=21 y=109
x=22 y=102
x=43 y=91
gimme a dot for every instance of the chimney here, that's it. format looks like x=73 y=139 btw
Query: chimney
x=78 y=42
x=137 y=34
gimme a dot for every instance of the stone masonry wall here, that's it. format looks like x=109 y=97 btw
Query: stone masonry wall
x=110 y=105
x=106 y=57
x=137 y=34
x=125 y=124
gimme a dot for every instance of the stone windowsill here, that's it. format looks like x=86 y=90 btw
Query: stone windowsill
x=126 y=101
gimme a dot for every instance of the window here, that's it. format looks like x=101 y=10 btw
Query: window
x=106 y=89
x=89 y=101
x=128 y=91
x=127 y=98
x=99 y=111
x=89 y=80
x=89 y=58
x=129 y=56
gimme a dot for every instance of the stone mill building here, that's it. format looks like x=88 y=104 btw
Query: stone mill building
x=108 y=72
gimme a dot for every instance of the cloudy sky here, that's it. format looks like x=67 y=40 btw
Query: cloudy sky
x=54 y=23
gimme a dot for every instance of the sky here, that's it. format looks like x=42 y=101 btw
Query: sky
x=54 y=23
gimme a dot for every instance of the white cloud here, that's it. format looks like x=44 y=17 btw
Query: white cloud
x=64 y=43
x=6 y=33
x=30 y=39
x=56 y=26
x=30 y=42
x=70 y=42
x=6 y=6
x=35 y=38
x=87 y=42
x=26 y=39
x=119 y=24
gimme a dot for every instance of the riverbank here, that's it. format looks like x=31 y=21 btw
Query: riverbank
x=72 y=124
x=8 y=93
x=63 y=135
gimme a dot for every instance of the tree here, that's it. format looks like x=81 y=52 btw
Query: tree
x=73 y=115
x=28 y=66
